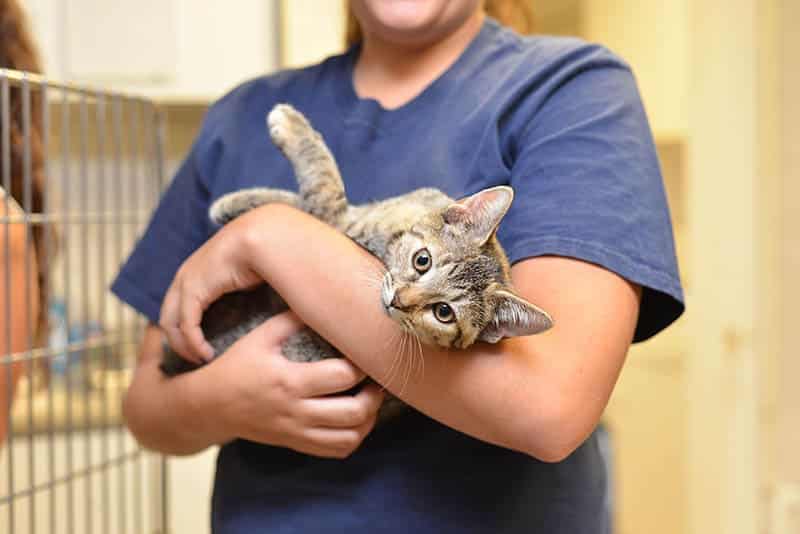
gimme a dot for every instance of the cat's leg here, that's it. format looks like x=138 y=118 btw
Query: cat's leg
x=321 y=189
x=230 y=206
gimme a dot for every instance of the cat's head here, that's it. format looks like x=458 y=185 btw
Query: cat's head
x=449 y=281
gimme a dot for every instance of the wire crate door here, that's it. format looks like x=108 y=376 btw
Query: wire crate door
x=81 y=172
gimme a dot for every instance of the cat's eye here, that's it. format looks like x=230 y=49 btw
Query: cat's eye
x=443 y=312
x=422 y=260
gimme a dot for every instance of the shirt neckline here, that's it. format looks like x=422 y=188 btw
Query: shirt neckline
x=371 y=112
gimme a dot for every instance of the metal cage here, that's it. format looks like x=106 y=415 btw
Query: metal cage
x=68 y=465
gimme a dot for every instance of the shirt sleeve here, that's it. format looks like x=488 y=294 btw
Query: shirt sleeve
x=587 y=185
x=178 y=227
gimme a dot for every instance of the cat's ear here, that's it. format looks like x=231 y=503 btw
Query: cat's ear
x=514 y=316
x=479 y=214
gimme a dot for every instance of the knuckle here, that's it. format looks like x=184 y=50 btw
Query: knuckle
x=367 y=427
x=191 y=287
x=375 y=401
x=359 y=413
x=340 y=454
x=345 y=373
x=288 y=384
x=351 y=439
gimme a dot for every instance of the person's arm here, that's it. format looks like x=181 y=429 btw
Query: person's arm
x=252 y=392
x=541 y=395
x=17 y=262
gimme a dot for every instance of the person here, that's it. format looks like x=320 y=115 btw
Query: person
x=435 y=93
x=22 y=288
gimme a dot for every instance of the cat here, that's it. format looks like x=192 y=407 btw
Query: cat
x=447 y=280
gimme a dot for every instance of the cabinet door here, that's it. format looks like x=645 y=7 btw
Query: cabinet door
x=311 y=30
x=120 y=41
x=181 y=51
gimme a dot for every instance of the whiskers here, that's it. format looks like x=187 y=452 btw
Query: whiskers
x=409 y=360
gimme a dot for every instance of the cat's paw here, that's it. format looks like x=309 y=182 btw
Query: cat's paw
x=288 y=128
x=228 y=207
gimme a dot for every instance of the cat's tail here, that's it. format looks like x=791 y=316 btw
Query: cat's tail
x=321 y=189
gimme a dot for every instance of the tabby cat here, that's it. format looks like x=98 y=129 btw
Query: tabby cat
x=447 y=280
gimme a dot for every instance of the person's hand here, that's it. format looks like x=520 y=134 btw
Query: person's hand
x=271 y=400
x=221 y=265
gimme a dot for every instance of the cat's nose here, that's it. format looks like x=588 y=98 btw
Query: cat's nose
x=405 y=298
x=398 y=304
x=395 y=303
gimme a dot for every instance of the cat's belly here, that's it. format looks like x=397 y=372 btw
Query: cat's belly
x=236 y=314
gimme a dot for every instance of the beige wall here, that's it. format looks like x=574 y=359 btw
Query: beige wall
x=788 y=436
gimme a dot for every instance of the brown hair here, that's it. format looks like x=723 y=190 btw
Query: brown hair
x=516 y=14
x=18 y=51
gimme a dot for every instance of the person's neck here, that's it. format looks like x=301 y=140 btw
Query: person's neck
x=393 y=75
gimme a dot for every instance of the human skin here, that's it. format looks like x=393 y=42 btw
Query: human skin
x=17 y=263
x=540 y=395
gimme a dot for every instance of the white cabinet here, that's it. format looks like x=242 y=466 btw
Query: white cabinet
x=311 y=30
x=179 y=51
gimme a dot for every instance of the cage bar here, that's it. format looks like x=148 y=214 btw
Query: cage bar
x=81 y=170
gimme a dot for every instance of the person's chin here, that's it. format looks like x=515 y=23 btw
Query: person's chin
x=410 y=35
x=403 y=20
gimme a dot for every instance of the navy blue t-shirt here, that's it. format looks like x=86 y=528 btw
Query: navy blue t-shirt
x=558 y=119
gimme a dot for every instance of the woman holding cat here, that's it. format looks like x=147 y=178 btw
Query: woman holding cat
x=437 y=94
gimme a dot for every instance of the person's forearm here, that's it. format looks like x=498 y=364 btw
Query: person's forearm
x=169 y=415
x=491 y=392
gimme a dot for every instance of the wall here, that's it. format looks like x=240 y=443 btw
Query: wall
x=785 y=508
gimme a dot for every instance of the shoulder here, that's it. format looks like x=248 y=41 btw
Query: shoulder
x=542 y=84
x=530 y=69
x=548 y=56
x=522 y=80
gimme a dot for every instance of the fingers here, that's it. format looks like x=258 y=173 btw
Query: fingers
x=333 y=442
x=184 y=336
x=169 y=321
x=326 y=377
x=191 y=314
x=343 y=411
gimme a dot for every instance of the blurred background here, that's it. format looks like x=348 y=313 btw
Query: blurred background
x=703 y=426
